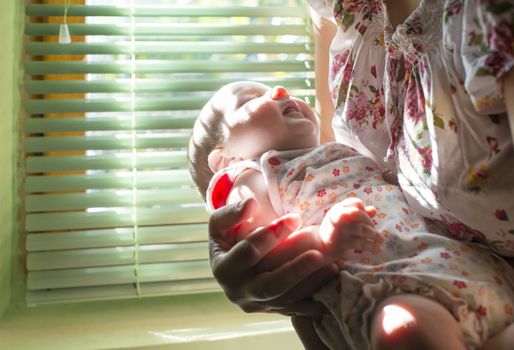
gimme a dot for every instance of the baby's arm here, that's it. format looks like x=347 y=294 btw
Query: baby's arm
x=347 y=225
x=250 y=183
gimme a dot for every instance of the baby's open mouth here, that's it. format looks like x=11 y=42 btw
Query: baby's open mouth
x=289 y=107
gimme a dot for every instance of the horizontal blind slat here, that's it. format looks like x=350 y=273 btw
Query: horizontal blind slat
x=111 y=142
x=161 y=160
x=116 y=218
x=112 y=180
x=115 y=237
x=40 y=10
x=46 y=125
x=163 y=29
x=103 y=257
x=158 y=85
x=115 y=105
x=109 y=199
x=101 y=276
x=169 y=66
x=164 y=48
x=48 y=296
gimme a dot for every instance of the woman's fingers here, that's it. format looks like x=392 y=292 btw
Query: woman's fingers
x=309 y=285
x=248 y=252
x=234 y=267
x=271 y=285
x=225 y=218
x=303 y=308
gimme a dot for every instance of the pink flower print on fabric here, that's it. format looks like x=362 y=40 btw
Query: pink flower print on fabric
x=415 y=102
x=378 y=109
x=482 y=311
x=345 y=10
x=493 y=145
x=461 y=231
x=426 y=158
x=445 y=255
x=452 y=9
x=501 y=38
x=414 y=26
x=460 y=284
x=341 y=71
x=495 y=63
x=339 y=62
x=498 y=280
x=364 y=111
x=501 y=214
x=274 y=161
x=373 y=70
x=357 y=108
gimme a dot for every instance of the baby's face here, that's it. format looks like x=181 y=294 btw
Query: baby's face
x=260 y=118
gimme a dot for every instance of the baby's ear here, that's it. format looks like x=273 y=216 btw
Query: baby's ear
x=217 y=160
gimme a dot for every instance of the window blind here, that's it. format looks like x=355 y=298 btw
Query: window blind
x=110 y=211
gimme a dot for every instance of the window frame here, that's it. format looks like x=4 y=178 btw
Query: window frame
x=128 y=324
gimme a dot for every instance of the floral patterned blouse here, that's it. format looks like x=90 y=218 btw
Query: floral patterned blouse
x=425 y=100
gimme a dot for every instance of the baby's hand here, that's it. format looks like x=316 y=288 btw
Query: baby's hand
x=348 y=225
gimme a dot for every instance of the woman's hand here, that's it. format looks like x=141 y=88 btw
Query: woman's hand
x=304 y=327
x=285 y=290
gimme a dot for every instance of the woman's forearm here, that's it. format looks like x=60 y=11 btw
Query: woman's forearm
x=324 y=31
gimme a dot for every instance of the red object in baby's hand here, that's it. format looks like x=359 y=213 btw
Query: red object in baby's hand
x=221 y=190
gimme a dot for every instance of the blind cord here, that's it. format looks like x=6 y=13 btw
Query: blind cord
x=64 y=31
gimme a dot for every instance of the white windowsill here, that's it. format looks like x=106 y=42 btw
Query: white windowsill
x=206 y=321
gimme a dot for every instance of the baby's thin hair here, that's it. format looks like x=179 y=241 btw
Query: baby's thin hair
x=207 y=134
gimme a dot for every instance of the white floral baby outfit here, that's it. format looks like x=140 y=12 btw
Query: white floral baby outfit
x=425 y=100
x=471 y=282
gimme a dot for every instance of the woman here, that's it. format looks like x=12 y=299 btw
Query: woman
x=421 y=88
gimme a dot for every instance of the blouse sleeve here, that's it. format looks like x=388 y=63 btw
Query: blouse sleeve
x=487 y=51
x=323 y=8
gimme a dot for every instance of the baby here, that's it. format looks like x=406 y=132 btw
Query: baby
x=254 y=141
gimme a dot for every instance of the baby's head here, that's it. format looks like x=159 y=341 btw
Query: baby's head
x=243 y=120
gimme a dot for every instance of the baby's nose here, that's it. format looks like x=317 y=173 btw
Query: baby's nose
x=279 y=92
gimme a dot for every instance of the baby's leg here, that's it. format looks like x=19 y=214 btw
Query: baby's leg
x=503 y=340
x=410 y=321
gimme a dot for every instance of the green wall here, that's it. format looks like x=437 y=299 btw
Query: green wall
x=10 y=27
